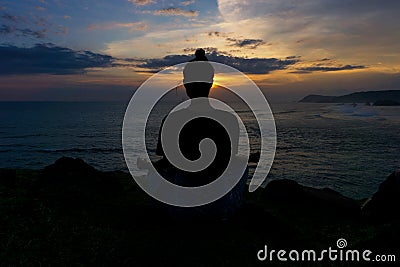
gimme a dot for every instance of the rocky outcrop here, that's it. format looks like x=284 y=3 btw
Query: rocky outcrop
x=72 y=214
x=305 y=200
x=358 y=97
x=8 y=178
x=384 y=204
x=73 y=183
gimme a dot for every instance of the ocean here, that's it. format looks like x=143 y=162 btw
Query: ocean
x=350 y=149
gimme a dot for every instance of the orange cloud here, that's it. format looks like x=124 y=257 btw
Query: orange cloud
x=132 y=26
x=142 y=2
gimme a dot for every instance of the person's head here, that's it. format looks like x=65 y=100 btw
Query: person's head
x=198 y=76
x=200 y=55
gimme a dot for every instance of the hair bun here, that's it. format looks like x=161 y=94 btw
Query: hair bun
x=200 y=55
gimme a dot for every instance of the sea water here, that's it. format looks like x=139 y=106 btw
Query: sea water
x=348 y=148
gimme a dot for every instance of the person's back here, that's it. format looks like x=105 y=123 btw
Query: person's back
x=198 y=80
x=197 y=130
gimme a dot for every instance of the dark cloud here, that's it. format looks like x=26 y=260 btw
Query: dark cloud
x=33 y=33
x=172 y=11
x=39 y=34
x=10 y=18
x=189 y=50
x=156 y=65
x=300 y=72
x=293 y=57
x=50 y=59
x=208 y=50
x=328 y=68
x=245 y=43
x=217 y=34
x=36 y=27
x=247 y=65
x=5 y=29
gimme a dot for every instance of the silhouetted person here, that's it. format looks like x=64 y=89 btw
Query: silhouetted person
x=197 y=130
x=201 y=128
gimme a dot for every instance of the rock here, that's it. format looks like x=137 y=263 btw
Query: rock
x=384 y=204
x=8 y=178
x=66 y=165
x=73 y=183
x=296 y=198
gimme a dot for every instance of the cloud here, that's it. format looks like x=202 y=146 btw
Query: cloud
x=245 y=43
x=12 y=18
x=62 y=30
x=328 y=68
x=142 y=2
x=41 y=22
x=49 y=59
x=237 y=42
x=216 y=34
x=172 y=11
x=187 y=3
x=132 y=26
x=293 y=57
x=35 y=27
x=5 y=29
x=238 y=9
x=209 y=50
x=24 y=32
x=327 y=28
x=247 y=65
x=36 y=34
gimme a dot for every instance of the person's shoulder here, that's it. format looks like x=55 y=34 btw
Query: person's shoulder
x=227 y=116
x=178 y=114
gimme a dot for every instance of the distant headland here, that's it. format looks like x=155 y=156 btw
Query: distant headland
x=377 y=98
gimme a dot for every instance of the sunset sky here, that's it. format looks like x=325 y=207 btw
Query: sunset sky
x=102 y=50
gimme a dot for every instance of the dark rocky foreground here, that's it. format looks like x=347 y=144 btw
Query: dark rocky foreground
x=71 y=214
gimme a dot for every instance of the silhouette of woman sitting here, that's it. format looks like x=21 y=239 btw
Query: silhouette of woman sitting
x=198 y=129
x=202 y=128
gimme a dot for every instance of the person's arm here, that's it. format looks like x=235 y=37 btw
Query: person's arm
x=235 y=137
x=159 y=149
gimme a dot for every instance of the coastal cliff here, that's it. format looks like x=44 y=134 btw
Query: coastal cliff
x=358 y=97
